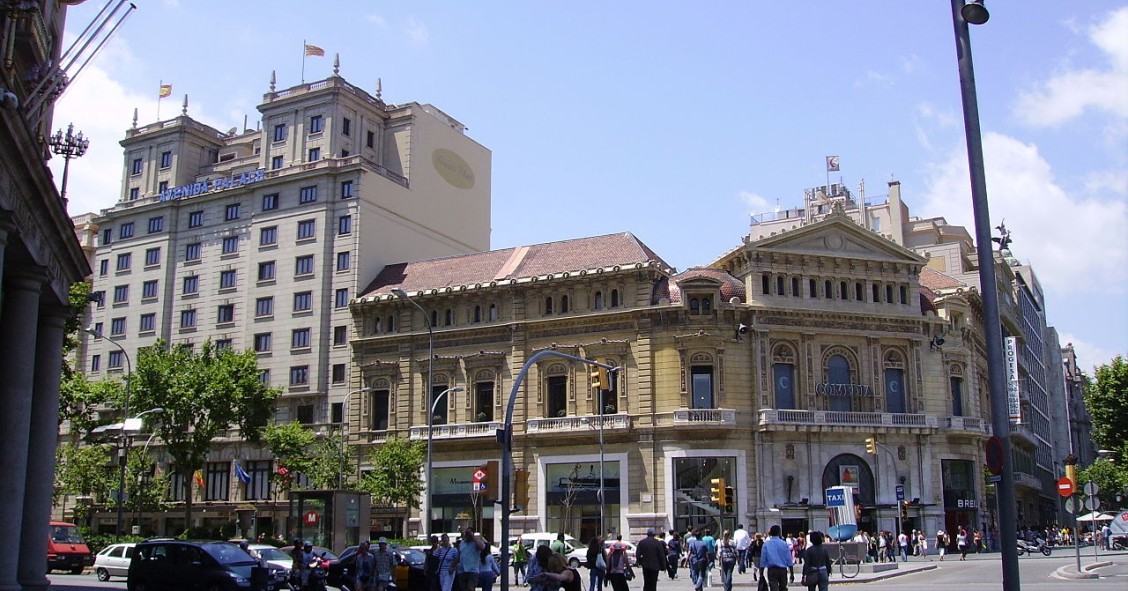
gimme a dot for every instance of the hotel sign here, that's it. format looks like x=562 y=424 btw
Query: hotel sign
x=1014 y=404
x=213 y=185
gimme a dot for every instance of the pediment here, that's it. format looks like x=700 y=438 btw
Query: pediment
x=837 y=238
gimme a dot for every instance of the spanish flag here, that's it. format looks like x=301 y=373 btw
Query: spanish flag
x=314 y=50
x=199 y=478
x=166 y=90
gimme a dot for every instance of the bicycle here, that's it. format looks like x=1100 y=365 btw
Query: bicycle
x=846 y=568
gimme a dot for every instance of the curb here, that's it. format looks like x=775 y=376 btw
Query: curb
x=1065 y=572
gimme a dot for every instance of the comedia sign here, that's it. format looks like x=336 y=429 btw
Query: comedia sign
x=212 y=185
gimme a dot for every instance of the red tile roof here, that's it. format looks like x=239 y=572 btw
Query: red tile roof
x=730 y=286
x=935 y=280
x=537 y=260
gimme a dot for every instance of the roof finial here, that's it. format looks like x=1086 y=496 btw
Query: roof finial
x=273 y=80
x=336 y=64
x=379 y=89
x=184 y=109
x=134 y=117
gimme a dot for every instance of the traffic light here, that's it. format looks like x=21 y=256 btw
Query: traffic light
x=599 y=377
x=904 y=509
x=521 y=487
x=730 y=499
x=871 y=445
x=1071 y=474
x=717 y=491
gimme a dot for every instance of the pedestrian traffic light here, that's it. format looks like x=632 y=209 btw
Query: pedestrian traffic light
x=599 y=377
x=730 y=499
x=871 y=445
x=717 y=491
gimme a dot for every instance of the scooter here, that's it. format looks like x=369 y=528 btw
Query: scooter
x=1041 y=546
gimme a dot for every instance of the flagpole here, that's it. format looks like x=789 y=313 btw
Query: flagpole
x=303 y=60
x=160 y=96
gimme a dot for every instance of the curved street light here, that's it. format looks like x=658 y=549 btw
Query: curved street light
x=121 y=437
x=430 y=446
x=401 y=294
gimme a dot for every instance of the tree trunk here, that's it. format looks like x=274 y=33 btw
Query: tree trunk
x=189 y=480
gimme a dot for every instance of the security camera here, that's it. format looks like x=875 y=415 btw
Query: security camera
x=742 y=329
x=8 y=100
x=937 y=342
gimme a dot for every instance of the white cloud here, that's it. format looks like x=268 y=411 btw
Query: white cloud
x=872 y=77
x=1068 y=94
x=1067 y=238
x=1088 y=354
x=377 y=20
x=416 y=31
x=755 y=202
x=1107 y=181
x=911 y=63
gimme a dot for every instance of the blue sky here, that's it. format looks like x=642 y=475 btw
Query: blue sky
x=677 y=121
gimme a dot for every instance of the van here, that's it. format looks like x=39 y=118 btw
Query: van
x=66 y=550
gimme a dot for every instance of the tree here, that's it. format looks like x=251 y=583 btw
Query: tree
x=289 y=443
x=396 y=476
x=332 y=468
x=203 y=395
x=1106 y=397
x=85 y=471
x=1109 y=478
x=79 y=399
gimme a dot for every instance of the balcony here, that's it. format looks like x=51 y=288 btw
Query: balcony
x=831 y=420
x=724 y=418
x=457 y=431
x=572 y=424
x=969 y=425
x=1026 y=480
x=1023 y=432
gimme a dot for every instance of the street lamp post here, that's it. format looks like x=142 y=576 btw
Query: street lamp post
x=975 y=13
x=344 y=437
x=128 y=425
x=430 y=445
x=68 y=146
x=401 y=294
x=121 y=436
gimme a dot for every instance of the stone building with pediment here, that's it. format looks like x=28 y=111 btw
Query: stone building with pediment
x=762 y=373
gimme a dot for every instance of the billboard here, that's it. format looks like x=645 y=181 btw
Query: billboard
x=1014 y=404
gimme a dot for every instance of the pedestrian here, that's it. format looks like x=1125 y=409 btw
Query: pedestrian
x=922 y=545
x=727 y=558
x=558 y=546
x=448 y=563
x=961 y=542
x=941 y=544
x=742 y=540
x=431 y=564
x=520 y=559
x=690 y=535
x=554 y=572
x=776 y=560
x=698 y=556
x=711 y=546
x=651 y=558
x=384 y=563
x=1106 y=533
x=470 y=549
x=365 y=567
x=596 y=563
x=673 y=554
x=816 y=567
x=489 y=571
x=618 y=567
x=903 y=543
x=755 y=550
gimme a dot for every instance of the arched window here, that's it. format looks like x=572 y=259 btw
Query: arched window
x=812 y=288
x=955 y=384
x=391 y=323
x=448 y=318
x=434 y=318
x=377 y=326
x=795 y=291
x=838 y=371
x=493 y=312
x=859 y=294
x=779 y=285
x=876 y=294
x=547 y=306
x=706 y=305
x=843 y=293
x=765 y=284
x=694 y=306
x=895 y=395
x=599 y=300
x=563 y=304
x=888 y=294
x=477 y=313
x=556 y=391
x=614 y=298
x=828 y=289
x=783 y=376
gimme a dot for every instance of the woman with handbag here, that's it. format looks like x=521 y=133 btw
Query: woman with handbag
x=816 y=566
x=596 y=563
x=619 y=567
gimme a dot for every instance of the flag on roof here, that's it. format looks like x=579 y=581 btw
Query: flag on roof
x=314 y=50
x=832 y=163
x=166 y=90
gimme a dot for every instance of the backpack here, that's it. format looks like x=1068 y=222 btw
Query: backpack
x=575 y=584
x=727 y=554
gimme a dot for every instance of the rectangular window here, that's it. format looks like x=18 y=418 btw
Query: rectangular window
x=104 y=267
x=299 y=376
x=270 y=202
x=258 y=489
x=117 y=326
x=97 y=330
x=280 y=132
x=895 y=390
x=221 y=344
x=346 y=126
x=152 y=256
x=379 y=418
x=218 y=480
x=314 y=155
x=784 y=376
x=262 y=342
x=166 y=159
x=115 y=360
x=268 y=236
x=340 y=335
x=702 y=381
x=338 y=373
x=342 y=298
x=483 y=401
x=95 y=363
x=192 y=252
x=148 y=322
x=195 y=219
x=125 y=231
x=156 y=224
x=316 y=124
x=370 y=139
x=98 y=297
x=191 y=285
x=136 y=167
x=264 y=377
x=124 y=261
x=276 y=163
x=303 y=265
x=343 y=260
x=307 y=194
x=303 y=301
x=264 y=306
x=344 y=225
x=227 y=279
x=162 y=186
x=956 y=385
x=231 y=245
x=557 y=397
x=299 y=338
x=149 y=289
x=187 y=319
x=107 y=236
x=266 y=271
x=231 y=212
x=225 y=314
x=121 y=294
x=306 y=229
x=346 y=189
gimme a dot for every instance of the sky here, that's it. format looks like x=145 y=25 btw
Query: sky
x=678 y=122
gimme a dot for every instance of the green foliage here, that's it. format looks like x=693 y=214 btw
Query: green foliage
x=96 y=542
x=79 y=397
x=1106 y=398
x=396 y=478
x=79 y=300
x=1109 y=478
x=289 y=443
x=332 y=467
x=83 y=471
x=146 y=489
x=203 y=394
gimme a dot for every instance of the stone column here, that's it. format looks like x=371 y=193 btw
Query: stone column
x=41 y=446
x=17 y=363
x=6 y=228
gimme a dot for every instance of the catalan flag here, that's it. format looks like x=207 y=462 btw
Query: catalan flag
x=166 y=90
x=314 y=50
x=199 y=478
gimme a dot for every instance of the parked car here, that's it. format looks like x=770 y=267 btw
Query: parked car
x=409 y=572
x=66 y=550
x=578 y=557
x=272 y=555
x=113 y=561
x=318 y=550
x=531 y=540
x=178 y=564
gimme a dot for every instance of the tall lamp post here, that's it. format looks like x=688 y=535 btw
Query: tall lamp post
x=975 y=12
x=344 y=438
x=68 y=146
x=401 y=294
x=121 y=437
x=430 y=444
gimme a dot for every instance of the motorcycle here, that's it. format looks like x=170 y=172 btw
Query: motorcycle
x=313 y=578
x=1040 y=546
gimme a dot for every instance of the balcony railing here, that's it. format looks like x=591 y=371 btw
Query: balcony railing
x=697 y=417
x=583 y=423
x=770 y=417
x=1024 y=432
x=974 y=424
x=1027 y=480
x=457 y=430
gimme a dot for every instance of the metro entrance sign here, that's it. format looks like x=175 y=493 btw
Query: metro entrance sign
x=1065 y=487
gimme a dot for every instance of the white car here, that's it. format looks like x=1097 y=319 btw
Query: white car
x=578 y=557
x=272 y=555
x=113 y=561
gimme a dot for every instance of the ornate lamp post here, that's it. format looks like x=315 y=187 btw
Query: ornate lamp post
x=71 y=145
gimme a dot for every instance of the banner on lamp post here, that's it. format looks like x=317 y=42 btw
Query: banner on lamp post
x=1014 y=404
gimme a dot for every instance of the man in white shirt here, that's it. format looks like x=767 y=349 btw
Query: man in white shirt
x=742 y=540
x=903 y=542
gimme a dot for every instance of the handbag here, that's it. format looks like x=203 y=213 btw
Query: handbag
x=600 y=563
x=628 y=572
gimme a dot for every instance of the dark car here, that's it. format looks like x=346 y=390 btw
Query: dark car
x=409 y=572
x=208 y=566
